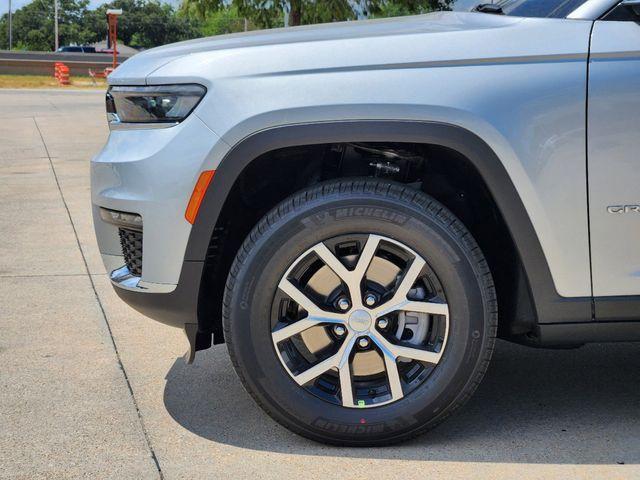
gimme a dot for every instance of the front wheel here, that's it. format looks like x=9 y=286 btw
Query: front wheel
x=360 y=313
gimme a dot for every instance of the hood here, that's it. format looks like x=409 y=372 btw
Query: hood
x=136 y=69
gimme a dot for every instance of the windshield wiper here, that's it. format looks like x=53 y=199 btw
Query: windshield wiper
x=489 y=8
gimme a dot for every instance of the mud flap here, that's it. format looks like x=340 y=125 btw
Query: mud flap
x=197 y=341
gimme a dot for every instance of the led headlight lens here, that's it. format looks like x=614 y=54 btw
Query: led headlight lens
x=161 y=105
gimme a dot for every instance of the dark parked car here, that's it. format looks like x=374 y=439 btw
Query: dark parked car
x=76 y=49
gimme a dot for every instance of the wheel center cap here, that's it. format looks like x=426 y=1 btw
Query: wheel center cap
x=360 y=321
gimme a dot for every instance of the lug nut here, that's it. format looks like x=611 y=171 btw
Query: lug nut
x=383 y=323
x=363 y=342
x=339 y=330
x=370 y=300
x=344 y=304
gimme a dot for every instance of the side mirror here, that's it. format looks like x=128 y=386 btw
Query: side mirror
x=632 y=5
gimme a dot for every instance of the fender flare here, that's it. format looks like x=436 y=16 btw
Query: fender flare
x=550 y=306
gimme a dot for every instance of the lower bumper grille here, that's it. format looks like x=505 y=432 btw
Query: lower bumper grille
x=131 y=242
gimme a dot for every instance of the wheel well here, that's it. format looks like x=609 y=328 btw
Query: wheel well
x=438 y=171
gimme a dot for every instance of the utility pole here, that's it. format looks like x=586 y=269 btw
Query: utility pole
x=10 y=27
x=55 y=25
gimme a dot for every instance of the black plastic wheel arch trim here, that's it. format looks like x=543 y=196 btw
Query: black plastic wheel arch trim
x=550 y=306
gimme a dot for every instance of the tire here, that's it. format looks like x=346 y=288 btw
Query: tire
x=398 y=217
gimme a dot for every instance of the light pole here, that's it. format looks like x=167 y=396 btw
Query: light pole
x=112 y=19
x=55 y=24
x=10 y=27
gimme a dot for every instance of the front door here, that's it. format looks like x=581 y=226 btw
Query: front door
x=613 y=148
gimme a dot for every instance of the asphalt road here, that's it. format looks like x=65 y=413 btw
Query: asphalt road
x=91 y=389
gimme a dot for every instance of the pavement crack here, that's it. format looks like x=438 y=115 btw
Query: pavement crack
x=147 y=439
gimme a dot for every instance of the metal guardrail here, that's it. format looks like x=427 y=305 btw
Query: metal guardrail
x=42 y=63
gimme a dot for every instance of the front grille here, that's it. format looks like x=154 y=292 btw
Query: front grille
x=131 y=241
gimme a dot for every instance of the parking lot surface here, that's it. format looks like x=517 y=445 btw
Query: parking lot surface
x=91 y=389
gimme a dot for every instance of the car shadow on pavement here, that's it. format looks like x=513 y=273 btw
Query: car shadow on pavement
x=577 y=406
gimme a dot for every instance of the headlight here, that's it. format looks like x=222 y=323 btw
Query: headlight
x=153 y=106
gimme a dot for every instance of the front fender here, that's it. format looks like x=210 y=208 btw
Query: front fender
x=550 y=305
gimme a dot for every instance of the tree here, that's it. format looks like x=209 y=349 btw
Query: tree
x=33 y=25
x=144 y=23
x=227 y=20
x=149 y=23
x=270 y=13
x=402 y=8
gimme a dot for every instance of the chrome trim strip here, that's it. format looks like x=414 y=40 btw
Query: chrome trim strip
x=122 y=278
x=117 y=125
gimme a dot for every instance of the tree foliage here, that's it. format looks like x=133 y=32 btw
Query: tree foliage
x=226 y=20
x=270 y=13
x=144 y=24
x=149 y=23
x=33 y=25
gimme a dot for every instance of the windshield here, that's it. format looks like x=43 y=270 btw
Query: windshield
x=524 y=8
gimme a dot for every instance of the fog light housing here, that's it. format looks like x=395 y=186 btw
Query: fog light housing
x=132 y=221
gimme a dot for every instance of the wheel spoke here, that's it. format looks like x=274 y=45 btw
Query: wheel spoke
x=346 y=388
x=333 y=361
x=431 y=308
x=366 y=256
x=331 y=261
x=399 y=300
x=341 y=271
x=344 y=369
x=305 y=302
x=352 y=278
x=409 y=278
x=289 y=330
x=396 y=351
x=393 y=376
x=296 y=295
x=316 y=370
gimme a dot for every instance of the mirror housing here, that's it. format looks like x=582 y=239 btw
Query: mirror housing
x=633 y=5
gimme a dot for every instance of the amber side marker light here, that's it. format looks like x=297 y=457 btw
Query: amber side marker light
x=198 y=195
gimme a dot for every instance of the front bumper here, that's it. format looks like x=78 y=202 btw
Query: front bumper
x=151 y=173
x=177 y=308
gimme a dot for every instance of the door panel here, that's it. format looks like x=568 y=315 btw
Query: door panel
x=613 y=148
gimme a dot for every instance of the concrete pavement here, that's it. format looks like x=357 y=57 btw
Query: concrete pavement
x=91 y=389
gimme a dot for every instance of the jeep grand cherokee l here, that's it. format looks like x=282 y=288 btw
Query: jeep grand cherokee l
x=359 y=209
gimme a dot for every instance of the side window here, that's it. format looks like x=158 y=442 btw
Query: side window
x=624 y=12
x=538 y=8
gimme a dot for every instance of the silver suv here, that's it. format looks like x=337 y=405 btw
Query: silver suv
x=359 y=209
